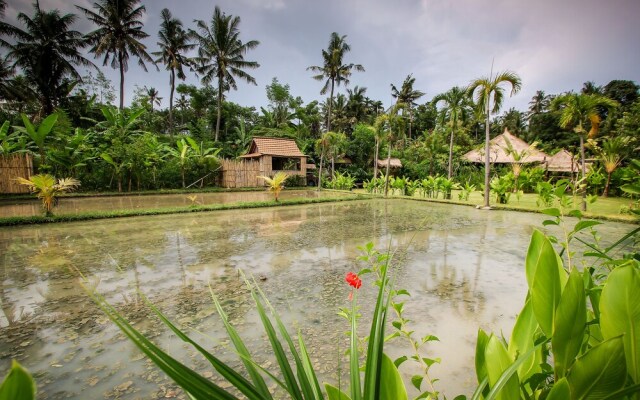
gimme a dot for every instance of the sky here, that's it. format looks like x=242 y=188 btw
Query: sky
x=553 y=45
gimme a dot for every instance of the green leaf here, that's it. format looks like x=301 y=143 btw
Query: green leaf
x=599 y=372
x=620 y=312
x=416 y=380
x=429 y=338
x=584 y=225
x=46 y=125
x=333 y=393
x=554 y=212
x=506 y=377
x=398 y=361
x=18 y=384
x=497 y=361
x=392 y=386
x=481 y=345
x=560 y=390
x=546 y=287
x=570 y=322
x=522 y=339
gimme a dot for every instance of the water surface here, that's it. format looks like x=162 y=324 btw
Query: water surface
x=463 y=267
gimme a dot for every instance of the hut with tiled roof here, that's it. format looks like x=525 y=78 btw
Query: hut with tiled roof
x=266 y=157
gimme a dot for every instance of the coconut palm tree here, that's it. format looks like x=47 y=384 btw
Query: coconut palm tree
x=408 y=96
x=579 y=111
x=457 y=107
x=118 y=35
x=487 y=91
x=322 y=147
x=333 y=69
x=47 y=51
x=391 y=127
x=611 y=153
x=221 y=55
x=275 y=184
x=174 y=42
x=47 y=189
x=539 y=103
x=153 y=96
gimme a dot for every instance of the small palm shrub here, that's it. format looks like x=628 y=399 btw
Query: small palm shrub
x=275 y=184
x=47 y=189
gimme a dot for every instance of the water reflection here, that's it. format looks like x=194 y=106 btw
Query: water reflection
x=464 y=269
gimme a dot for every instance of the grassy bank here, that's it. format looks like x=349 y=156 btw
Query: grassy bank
x=38 y=219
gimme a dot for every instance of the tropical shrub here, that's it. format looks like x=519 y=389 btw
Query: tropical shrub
x=502 y=187
x=341 y=182
x=276 y=183
x=47 y=189
x=465 y=191
x=529 y=178
x=596 y=180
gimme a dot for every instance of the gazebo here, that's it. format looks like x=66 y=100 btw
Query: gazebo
x=499 y=151
x=563 y=161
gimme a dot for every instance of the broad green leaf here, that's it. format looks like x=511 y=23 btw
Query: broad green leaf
x=416 y=380
x=31 y=130
x=599 y=372
x=392 y=386
x=581 y=225
x=481 y=345
x=333 y=393
x=497 y=361
x=554 y=212
x=543 y=275
x=560 y=390
x=620 y=312
x=630 y=188
x=18 y=384
x=570 y=322
x=46 y=125
x=522 y=339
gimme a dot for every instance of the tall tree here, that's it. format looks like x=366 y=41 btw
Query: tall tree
x=487 y=91
x=333 y=69
x=457 y=107
x=153 y=97
x=48 y=52
x=582 y=111
x=590 y=87
x=539 y=103
x=407 y=95
x=174 y=43
x=221 y=55
x=118 y=35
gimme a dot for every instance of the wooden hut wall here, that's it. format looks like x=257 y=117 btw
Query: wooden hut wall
x=241 y=173
x=12 y=167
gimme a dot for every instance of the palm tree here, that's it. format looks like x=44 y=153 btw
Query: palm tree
x=539 y=103
x=457 y=107
x=488 y=90
x=118 y=35
x=357 y=104
x=48 y=52
x=613 y=151
x=47 y=189
x=153 y=96
x=221 y=55
x=391 y=126
x=174 y=42
x=577 y=111
x=333 y=69
x=408 y=96
x=275 y=184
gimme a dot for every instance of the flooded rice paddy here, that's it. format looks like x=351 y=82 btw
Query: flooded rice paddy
x=75 y=205
x=463 y=267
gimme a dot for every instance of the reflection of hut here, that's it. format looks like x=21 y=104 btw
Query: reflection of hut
x=498 y=151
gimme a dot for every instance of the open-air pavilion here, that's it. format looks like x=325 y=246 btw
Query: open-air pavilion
x=499 y=151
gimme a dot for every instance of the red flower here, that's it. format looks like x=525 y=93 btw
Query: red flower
x=353 y=280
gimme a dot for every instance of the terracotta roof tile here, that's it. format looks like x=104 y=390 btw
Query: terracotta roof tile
x=275 y=147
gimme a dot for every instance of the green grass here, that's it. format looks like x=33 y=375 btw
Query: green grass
x=38 y=219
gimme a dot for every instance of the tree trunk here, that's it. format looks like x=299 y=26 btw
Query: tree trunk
x=183 y=182
x=173 y=83
x=329 y=110
x=320 y=170
x=375 y=161
x=451 y=154
x=219 y=108
x=410 y=120
x=487 y=159
x=121 y=80
x=333 y=167
x=583 y=206
x=386 y=178
x=606 y=186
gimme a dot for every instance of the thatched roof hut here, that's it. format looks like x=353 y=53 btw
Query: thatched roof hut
x=498 y=148
x=562 y=161
x=393 y=163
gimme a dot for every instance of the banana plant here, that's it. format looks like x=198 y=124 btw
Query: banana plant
x=183 y=153
x=38 y=134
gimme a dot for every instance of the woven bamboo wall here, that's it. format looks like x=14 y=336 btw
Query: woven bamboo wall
x=241 y=173
x=12 y=167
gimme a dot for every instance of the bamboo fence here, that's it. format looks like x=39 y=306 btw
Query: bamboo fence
x=15 y=166
x=241 y=173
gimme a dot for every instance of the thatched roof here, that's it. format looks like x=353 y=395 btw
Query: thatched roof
x=562 y=161
x=273 y=146
x=498 y=151
x=393 y=163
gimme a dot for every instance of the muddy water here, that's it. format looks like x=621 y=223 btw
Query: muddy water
x=75 y=205
x=463 y=267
